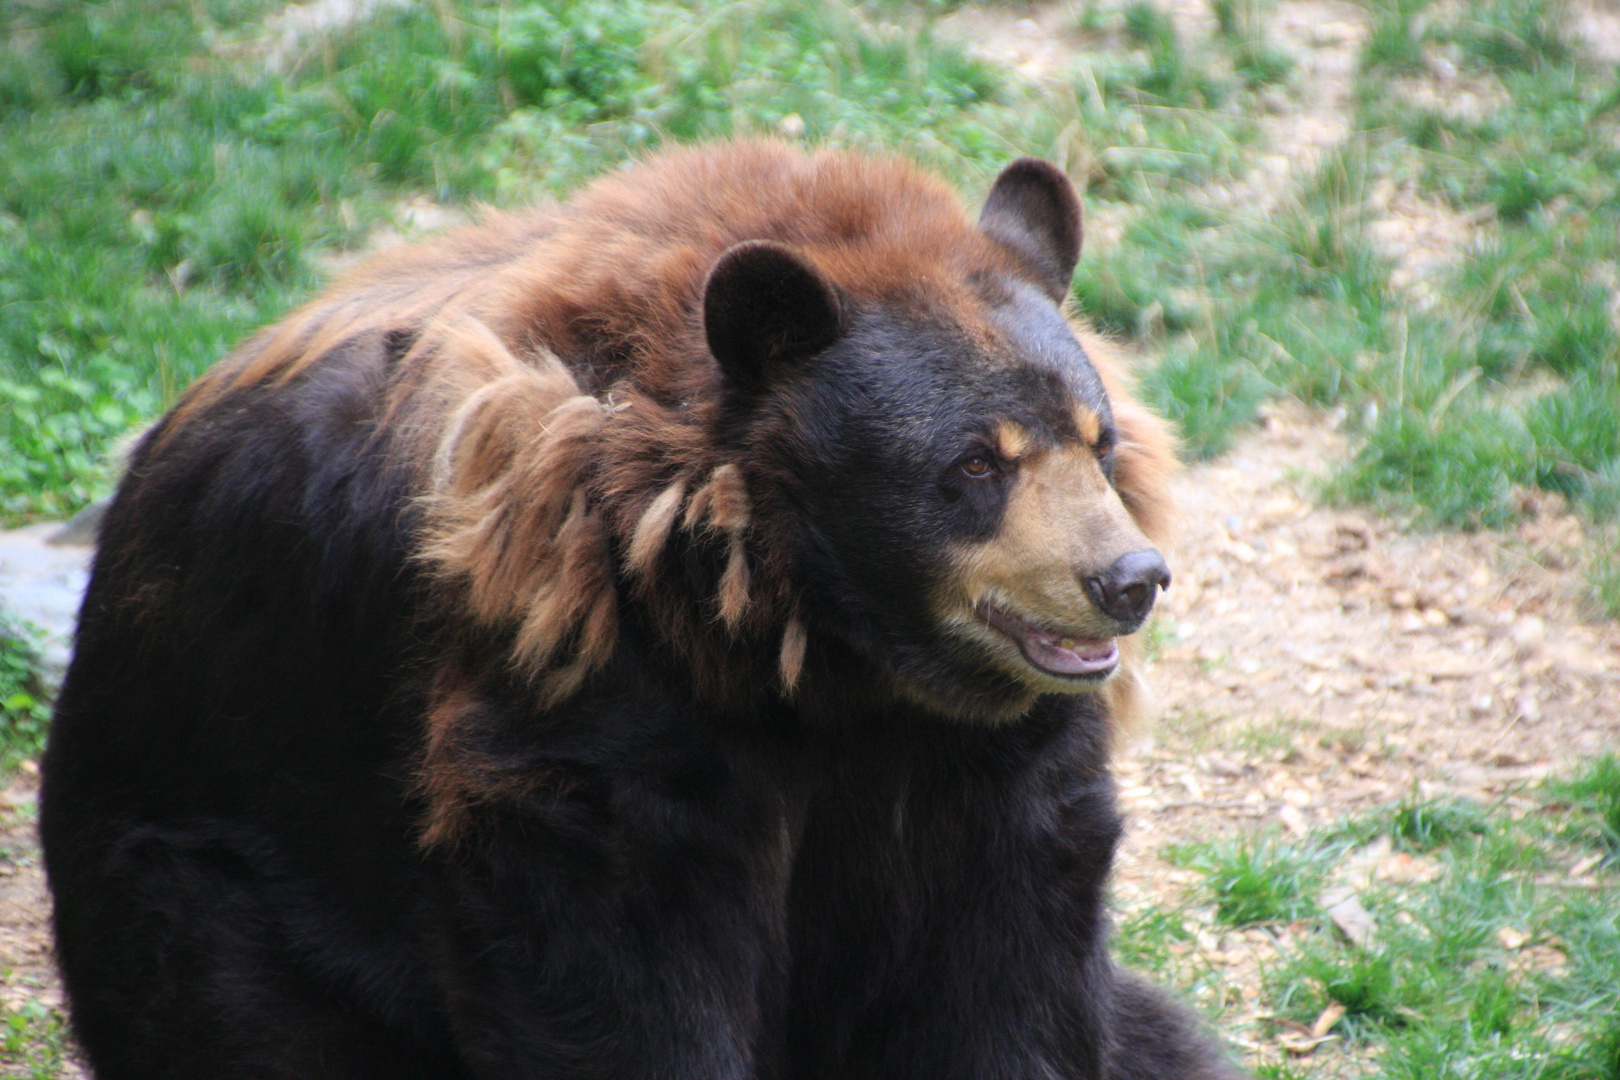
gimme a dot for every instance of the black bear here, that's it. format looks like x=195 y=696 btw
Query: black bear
x=675 y=634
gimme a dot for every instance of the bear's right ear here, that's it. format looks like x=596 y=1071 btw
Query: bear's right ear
x=764 y=303
x=1033 y=210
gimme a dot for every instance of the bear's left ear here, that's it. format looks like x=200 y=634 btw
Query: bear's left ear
x=1033 y=210
x=765 y=303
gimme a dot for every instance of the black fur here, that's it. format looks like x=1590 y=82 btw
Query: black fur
x=829 y=887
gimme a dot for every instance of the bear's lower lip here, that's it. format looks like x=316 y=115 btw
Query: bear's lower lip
x=1053 y=652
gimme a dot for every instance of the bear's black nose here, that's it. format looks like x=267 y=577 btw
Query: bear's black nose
x=1125 y=590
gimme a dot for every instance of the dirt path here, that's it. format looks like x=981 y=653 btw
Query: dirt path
x=1317 y=663
x=1362 y=659
x=27 y=969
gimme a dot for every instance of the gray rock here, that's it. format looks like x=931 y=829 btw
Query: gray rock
x=42 y=582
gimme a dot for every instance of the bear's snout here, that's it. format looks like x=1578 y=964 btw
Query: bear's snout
x=1126 y=590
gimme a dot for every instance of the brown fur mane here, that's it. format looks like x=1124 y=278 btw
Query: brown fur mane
x=555 y=395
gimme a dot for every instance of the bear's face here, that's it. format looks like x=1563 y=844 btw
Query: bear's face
x=949 y=452
x=958 y=484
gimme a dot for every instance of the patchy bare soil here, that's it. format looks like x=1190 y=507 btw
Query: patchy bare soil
x=1318 y=663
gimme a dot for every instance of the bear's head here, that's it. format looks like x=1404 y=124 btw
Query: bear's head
x=943 y=458
x=815 y=432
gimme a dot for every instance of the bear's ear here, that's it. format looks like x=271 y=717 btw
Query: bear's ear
x=763 y=304
x=1033 y=210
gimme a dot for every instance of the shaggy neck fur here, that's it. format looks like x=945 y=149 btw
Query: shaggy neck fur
x=571 y=430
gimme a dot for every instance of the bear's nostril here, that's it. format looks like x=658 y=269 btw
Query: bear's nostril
x=1125 y=591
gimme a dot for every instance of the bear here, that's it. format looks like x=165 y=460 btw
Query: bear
x=676 y=633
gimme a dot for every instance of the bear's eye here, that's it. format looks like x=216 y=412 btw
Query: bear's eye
x=1105 y=445
x=978 y=466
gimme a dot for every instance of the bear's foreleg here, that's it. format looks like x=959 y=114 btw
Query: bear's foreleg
x=948 y=918
x=610 y=904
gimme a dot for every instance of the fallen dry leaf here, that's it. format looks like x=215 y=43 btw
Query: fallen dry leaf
x=1303 y=1046
x=1330 y=1016
x=1354 y=921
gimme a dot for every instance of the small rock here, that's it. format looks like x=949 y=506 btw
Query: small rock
x=1242 y=552
x=1216 y=765
x=1580 y=869
x=83 y=528
x=1529 y=637
x=1293 y=821
x=1354 y=921
x=1402 y=868
x=1352 y=534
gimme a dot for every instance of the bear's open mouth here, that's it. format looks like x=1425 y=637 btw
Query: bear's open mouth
x=1052 y=651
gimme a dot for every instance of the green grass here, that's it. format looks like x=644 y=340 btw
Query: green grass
x=1419 y=825
x=162 y=192
x=1526 y=316
x=1255 y=880
x=1394 y=45
x=24 y=708
x=33 y=1040
x=1595 y=794
x=1507 y=379
x=1602 y=593
x=1497 y=967
x=1149 y=936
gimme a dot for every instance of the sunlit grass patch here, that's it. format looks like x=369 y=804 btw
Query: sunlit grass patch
x=1423 y=825
x=1509 y=377
x=1207 y=394
x=1256 y=61
x=24 y=709
x=1480 y=953
x=1152 y=938
x=1458 y=472
x=1603 y=572
x=1594 y=792
x=34 y=1038
x=162 y=191
x=1394 y=41
x=1512 y=34
x=1255 y=879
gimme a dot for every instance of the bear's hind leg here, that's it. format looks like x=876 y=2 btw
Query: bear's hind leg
x=178 y=960
x=1156 y=1039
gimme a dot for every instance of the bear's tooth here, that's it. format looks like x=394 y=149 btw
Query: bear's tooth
x=1068 y=642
